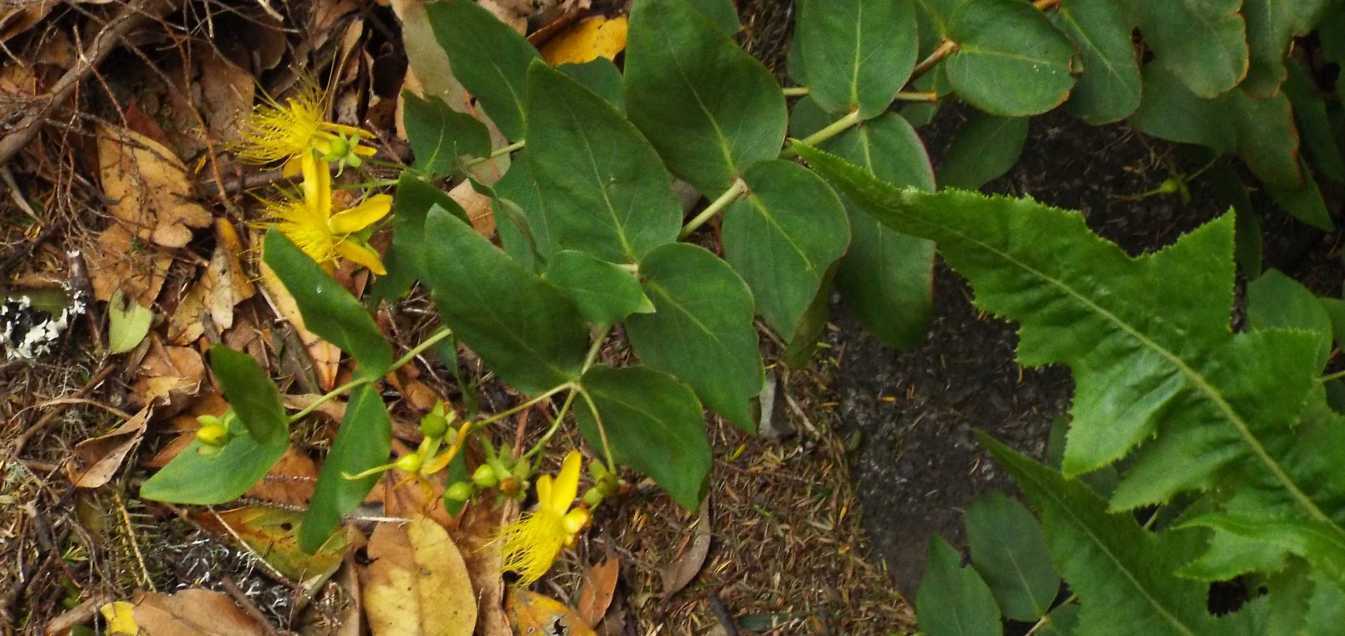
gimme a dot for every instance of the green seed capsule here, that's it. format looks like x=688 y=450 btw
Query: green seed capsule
x=408 y=463
x=460 y=491
x=484 y=477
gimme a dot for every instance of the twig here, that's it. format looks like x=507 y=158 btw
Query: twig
x=78 y=615
x=24 y=249
x=248 y=606
x=17 y=194
x=107 y=40
x=22 y=440
x=135 y=545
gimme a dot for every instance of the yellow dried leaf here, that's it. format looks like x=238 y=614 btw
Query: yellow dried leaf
x=120 y=617
x=417 y=582
x=95 y=460
x=192 y=612
x=121 y=261
x=533 y=613
x=588 y=40
x=150 y=189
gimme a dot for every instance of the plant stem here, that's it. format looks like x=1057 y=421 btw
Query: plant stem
x=555 y=426
x=1329 y=377
x=503 y=150
x=944 y=49
x=834 y=128
x=918 y=96
x=796 y=91
x=512 y=410
x=602 y=431
x=728 y=197
x=354 y=384
x=1045 y=5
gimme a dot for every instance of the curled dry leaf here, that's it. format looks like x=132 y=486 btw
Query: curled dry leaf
x=533 y=613
x=417 y=582
x=677 y=575
x=121 y=261
x=94 y=461
x=168 y=376
x=290 y=481
x=227 y=92
x=149 y=188
x=599 y=586
x=223 y=285
x=192 y=612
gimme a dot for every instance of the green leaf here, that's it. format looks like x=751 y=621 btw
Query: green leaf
x=1062 y=621
x=1230 y=192
x=1009 y=550
x=251 y=394
x=603 y=187
x=193 y=478
x=488 y=57
x=721 y=12
x=601 y=77
x=1305 y=202
x=1009 y=60
x=887 y=277
x=1277 y=301
x=604 y=293
x=782 y=237
x=1260 y=131
x=1271 y=26
x=327 y=308
x=653 y=424
x=984 y=149
x=1335 y=310
x=524 y=231
x=701 y=330
x=405 y=259
x=1317 y=543
x=860 y=52
x=524 y=328
x=1109 y=89
x=1120 y=571
x=953 y=600
x=1202 y=42
x=1310 y=112
x=127 y=323
x=709 y=108
x=1326 y=607
x=441 y=136
x=362 y=442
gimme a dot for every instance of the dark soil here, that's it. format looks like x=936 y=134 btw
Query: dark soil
x=917 y=465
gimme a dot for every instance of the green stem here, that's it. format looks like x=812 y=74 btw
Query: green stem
x=354 y=384
x=834 y=128
x=602 y=431
x=795 y=91
x=503 y=150
x=728 y=197
x=555 y=426
x=510 y=411
x=1329 y=377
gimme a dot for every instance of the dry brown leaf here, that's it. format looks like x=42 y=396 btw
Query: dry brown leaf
x=477 y=206
x=291 y=480
x=333 y=409
x=326 y=356
x=476 y=534
x=534 y=613
x=220 y=288
x=407 y=497
x=417 y=582
x=168 y=376
x=122 y=261
x=94 y=461
x=227 y=92
x=595 y=596
x=150 y=189
x=192 y=612
x=271 y=534
x=677 y=575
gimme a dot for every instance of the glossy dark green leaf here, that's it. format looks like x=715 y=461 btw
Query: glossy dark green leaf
x=440 y=136
x=860 y=52
x=953 y=600
x=1305 y=202
x=721 y=12
x=602 y=185
x=251 y=394
x=985 y=148
x=654 y=424
x=1271 y=26
x=1230 y=192
x=1204 y=42
x=604 y=292
x=1277 y=301
x=1062 y=621
x=362 y=442
x=1009 y=550
x=1310 y=111
x=193 y=478
x=524 y=231
x=327 y=308
x=524 y=328
x=701 y=330
x=488 y=57
x=601 y=77
x=1260 y=131
x=405 y=259
x=1009 y=60
x=1109 y=88
x=709 y=108
x=1335 y=310
x=782 y=237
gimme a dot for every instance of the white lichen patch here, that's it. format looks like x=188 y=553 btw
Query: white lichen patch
x=28 y=333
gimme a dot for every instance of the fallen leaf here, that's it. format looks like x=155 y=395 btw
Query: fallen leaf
x=417 y=582
x=94 y=461
x=271 y=534
x=192 y=612
x=127 y=323
x=588 y=40
x=290 y=481
x=122 y=261
x=227 y=92
x=476 y=534
x=406 y=497
x=595 y=595
x=477 y=206
x=533 y=613
x=334 y=409
x=677 y=575
x=120 y=617
x=168 y=376
x=223 y=285
x=150 y=190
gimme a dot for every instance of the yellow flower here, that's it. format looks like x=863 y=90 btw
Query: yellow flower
x=531 y=544
x=322 y=235
x=276 y=132
x=120 y=617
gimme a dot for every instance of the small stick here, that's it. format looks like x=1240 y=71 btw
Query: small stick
x=248 y=606
x=78 y=615
x=22 y=439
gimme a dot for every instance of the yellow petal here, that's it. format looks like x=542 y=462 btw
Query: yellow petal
x=345 y=130
x=365 y=151
x=362 y=215
x=567 y=482
x=120 y=617
x=357 y=252
x=317 y=185
x=293 y=167
x=544 y=491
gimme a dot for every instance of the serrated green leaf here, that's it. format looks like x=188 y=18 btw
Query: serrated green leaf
x=984 y=149
x=405 y=259
x=488 y=57
x=721 y=12
x=362 y=442
x=1009 y=550
x=441 y=136
x=604 y=293
x=861 y=52
x=327 y=308
x=653 y=424
x=1271 y=25
x=524 y=328
x=1202 y=42
x=1009 y=60
x=1109 y=88
x=701 y=330
x=953 y=600
x=601 y=77
x=1260 y=131
x=1310 y=112
x=1120 y=571
x=1326 y=607
x=251 y=394
x=127 y=323
x=709 y=108
x=1320 y=544
x=603 y=187
x=782 y=237
x=1277 y=301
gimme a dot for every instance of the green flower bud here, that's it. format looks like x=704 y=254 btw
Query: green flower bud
x=433 y=425
x=408 y=463
x=485 y=477
x=593 y=496
x=460 y=491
